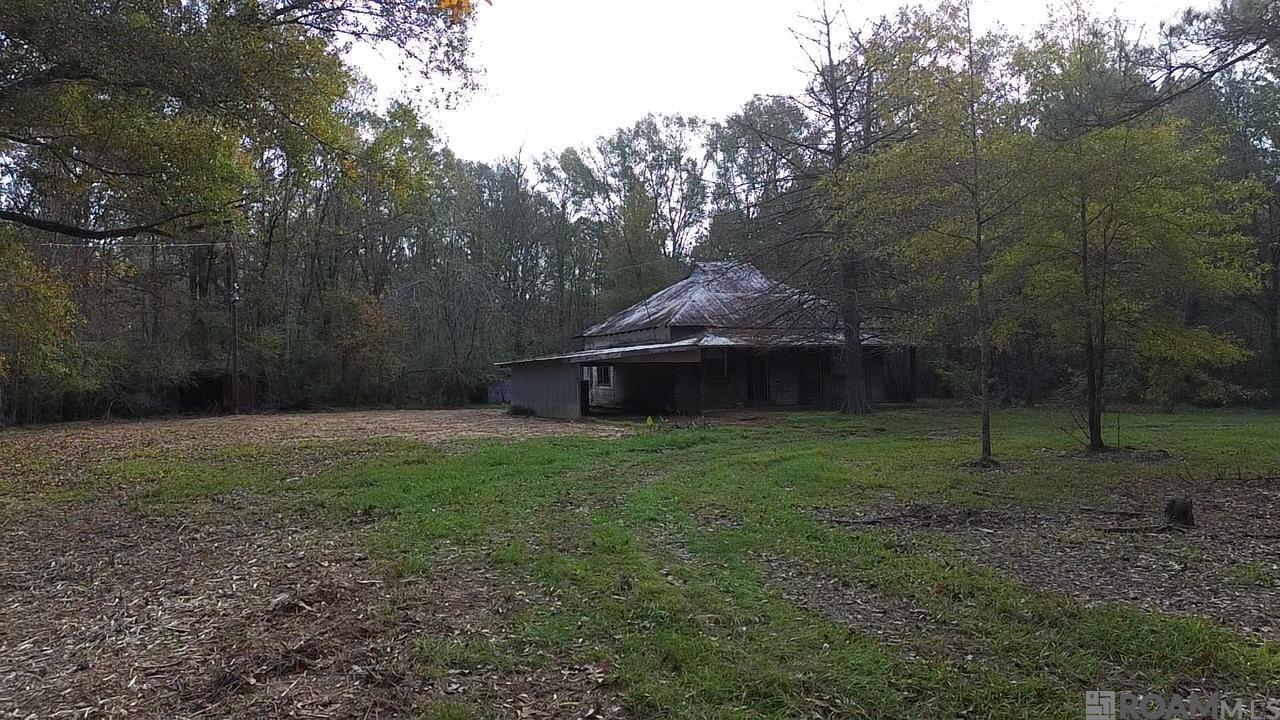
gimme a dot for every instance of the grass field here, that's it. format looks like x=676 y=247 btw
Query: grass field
x=767 y=566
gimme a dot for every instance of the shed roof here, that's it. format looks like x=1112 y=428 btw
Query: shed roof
x=731 y=295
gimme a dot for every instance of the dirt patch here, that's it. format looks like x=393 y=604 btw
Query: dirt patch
x=59 y=455
x=911 y=630
x=222 y=611
x=1227 y=569
x=235 y=610
x=749 y=417
x=715 y=517
x=1142 y=456
x=928 y=517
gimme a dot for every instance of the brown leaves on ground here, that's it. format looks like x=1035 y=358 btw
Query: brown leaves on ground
x=242 y=607
x=235 y=610
x=224 y=611
x=1227 y=569
x=58 y=455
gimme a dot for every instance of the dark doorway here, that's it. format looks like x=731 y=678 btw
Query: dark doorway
x=757 y=380
x=809 y=370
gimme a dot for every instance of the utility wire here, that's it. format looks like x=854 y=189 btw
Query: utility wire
x=126 y=245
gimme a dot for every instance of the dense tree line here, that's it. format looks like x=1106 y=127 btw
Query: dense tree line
x=213 y=214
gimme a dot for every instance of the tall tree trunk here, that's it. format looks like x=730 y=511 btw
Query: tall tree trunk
x=912 y=371
x=983 y=310
x=1092 y=357
x=1272 y=291
x=984 y=361
x=15 y=387
x=1093 y=391
x=233 y=296
x=856 y=398
x=979 y=248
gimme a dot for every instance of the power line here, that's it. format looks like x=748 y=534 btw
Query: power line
x=127 y=245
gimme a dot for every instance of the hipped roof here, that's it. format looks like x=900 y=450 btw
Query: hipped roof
x=724 y=295
x=729 y=305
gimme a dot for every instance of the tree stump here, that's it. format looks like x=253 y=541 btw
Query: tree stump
x=1180 y=512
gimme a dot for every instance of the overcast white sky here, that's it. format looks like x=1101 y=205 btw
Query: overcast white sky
x=562 y=72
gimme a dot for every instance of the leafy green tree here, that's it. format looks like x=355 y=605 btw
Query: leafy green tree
x=943 y=205
x=131 y=118
x=370 y=348
x=1245 y=103
x=774 y=156
x=639 y=198
x=634 y=264
x=37 y=320
x=659 y=157
x=757 y=198
x=1131 y=221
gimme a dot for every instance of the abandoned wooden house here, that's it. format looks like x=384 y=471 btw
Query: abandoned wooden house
x=726 y=336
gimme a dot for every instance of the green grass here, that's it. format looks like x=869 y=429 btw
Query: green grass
x=1253 y=573
x=447 y=711
x=658 y=547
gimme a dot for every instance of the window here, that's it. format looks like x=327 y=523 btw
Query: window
x=604 y=376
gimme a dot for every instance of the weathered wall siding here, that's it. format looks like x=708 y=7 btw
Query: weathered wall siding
x=692 y=355
x=809 y=380
x=794 y=377
x=832 y=384
x=550 y=389
x=719 y=391
x=686 y=395
x=724 y=381
x=636 y=337
x=616 y=394
x=873 y=364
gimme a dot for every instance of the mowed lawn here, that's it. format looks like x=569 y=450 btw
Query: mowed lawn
x=786 y=565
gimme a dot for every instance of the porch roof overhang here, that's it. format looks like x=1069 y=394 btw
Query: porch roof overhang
x=614 y=353
x=676 y=350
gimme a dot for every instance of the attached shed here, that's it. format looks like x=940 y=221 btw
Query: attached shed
x=548 y=388
x=724 y=337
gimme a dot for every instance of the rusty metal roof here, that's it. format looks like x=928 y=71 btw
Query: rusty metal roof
x=727 y=305
x=725 y=295
x=756 y=339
